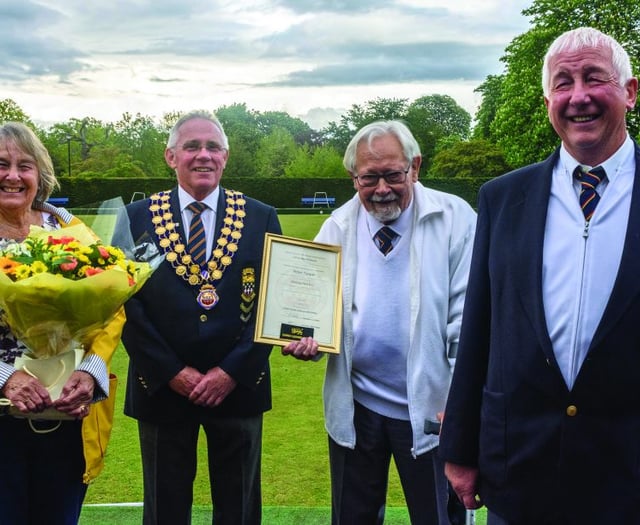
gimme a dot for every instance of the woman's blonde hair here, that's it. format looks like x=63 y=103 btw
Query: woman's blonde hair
x=27 y=141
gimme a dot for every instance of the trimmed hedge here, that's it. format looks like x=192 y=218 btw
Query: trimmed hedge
x=278 y=192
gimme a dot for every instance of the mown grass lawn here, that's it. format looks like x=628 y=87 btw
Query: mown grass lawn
x=295 y=471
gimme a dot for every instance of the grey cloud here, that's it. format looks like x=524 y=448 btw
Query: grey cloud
x=334 y=6
x=369 y=64
x=219 y=47
x=38 y=39
x=156 y=78
x=25 y=50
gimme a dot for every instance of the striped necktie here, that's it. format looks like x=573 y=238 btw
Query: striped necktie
x=384 y=239
x=589 y=180
x=197 y=245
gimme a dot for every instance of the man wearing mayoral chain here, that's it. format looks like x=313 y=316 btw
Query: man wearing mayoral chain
x=189 y=334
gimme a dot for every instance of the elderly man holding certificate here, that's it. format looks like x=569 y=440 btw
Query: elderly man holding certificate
x=406 y=251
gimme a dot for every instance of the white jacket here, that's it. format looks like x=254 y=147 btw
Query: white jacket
x=441 y=247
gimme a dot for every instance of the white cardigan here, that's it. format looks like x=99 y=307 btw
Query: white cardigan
x=439 y=265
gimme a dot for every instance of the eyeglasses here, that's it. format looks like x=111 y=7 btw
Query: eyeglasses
x=369 y=180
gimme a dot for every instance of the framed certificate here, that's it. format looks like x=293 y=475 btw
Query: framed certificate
x=301 y=293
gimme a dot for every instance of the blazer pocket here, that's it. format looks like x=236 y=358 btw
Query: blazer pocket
x=492 y=461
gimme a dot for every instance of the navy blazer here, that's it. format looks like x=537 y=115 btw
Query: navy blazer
x=541 y=449
x=167 y=329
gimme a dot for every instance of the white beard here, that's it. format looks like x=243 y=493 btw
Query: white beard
x=388 y=213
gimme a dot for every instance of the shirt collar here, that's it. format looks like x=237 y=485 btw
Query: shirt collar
x=210 y=200
x=621 y=158
x=62 y=213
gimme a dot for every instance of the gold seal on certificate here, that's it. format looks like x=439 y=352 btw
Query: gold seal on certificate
x=300 y=293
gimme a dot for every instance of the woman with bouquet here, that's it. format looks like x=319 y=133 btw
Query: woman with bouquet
x=46 y=463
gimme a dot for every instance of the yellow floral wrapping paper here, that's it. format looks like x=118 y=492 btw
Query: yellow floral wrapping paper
x=51 y=313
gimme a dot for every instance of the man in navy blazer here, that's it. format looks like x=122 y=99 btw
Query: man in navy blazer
x=542 y=423
x=189 y=335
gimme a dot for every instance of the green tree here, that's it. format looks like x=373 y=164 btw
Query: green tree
x=70 y=143
x=473 y=158
x=241 y=127
x=434 y=117
x=10 y=111
x=275 y=152
x=64 y=151
x=300 y=131
x=320 y=161
x=439 y=111
x=521 y=125
x=491 y=92
x=110 y=161
x=143 y=142
x=339 y=134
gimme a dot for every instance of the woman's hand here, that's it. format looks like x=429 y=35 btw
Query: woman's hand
x=26 y=392
x=77 y=395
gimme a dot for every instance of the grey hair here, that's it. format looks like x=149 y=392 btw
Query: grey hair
x=368 y=133
x=198 y=114
x=587 y=38
x=28 y=142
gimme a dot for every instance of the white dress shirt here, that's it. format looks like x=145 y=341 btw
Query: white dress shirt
x=580 y=259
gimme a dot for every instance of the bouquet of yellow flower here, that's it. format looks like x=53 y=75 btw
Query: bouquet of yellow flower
x=56 y=287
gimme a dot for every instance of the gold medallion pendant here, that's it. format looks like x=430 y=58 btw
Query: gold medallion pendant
x=207 y=297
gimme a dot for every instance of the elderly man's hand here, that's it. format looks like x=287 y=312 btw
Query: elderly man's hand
x=464 y=480
x=213 y=388
x=185 y=381
x=304 y=349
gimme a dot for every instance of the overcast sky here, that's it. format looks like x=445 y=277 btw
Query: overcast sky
x=314 y=59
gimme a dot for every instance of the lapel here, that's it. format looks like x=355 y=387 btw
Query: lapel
x=627 y=284
x=220 y=214
x=527 y=220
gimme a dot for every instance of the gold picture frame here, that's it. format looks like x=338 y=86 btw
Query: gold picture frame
x=300 y=293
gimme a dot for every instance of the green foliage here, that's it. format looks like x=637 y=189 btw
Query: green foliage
x=268 y=144
x=110 y=161
x=473 y=158
x=491 y=91
x=299 y=130
x=320 y=161
x=441 y=112
x=10 y=111
x=339 y=134
x=241 y=127
x=144 y=141
x=521 y=125
x=433 y=118
x=275 y=152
